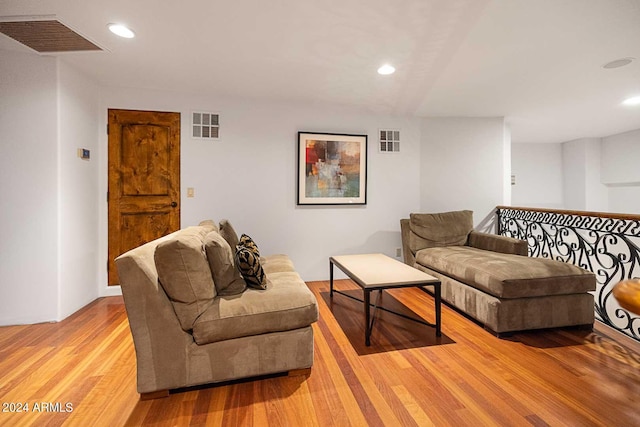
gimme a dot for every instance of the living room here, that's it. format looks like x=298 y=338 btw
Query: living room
x=52 y=105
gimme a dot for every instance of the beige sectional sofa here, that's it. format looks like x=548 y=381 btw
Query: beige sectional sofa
x=491 y=278
x=194 y=320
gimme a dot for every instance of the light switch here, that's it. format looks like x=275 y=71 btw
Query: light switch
x=84 y=153
x=190 y=192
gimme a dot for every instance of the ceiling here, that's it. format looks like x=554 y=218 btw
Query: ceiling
x=537 y=63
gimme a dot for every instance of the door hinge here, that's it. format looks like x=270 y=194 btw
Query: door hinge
x=107 y=265
x=107 y=128
x=107 y=197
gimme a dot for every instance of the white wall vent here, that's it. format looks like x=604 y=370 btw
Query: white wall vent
x=205 y=125
x=389 y=140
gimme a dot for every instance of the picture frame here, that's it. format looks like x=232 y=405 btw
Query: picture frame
x=332 y=169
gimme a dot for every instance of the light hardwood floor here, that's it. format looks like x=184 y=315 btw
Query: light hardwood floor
x=84 y=370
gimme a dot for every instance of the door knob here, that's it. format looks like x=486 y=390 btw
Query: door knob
x=174 y=204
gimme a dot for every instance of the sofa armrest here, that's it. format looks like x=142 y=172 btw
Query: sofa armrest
x=495 y=243
x=409 y=257
x=159 y=341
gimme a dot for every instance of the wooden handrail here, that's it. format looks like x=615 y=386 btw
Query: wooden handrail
x=578 y=213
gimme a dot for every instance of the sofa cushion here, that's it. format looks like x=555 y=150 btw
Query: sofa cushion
x=507 y=275
x=209 y=223
x=428 y=230
x=226 y=277
x=248 y=263
x=287 y=304
x=228 y=233
x=184 y=274
x=276 y=264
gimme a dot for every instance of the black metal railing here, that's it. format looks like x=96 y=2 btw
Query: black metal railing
x=606 y=244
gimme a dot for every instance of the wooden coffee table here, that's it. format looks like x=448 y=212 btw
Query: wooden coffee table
x=377 y=272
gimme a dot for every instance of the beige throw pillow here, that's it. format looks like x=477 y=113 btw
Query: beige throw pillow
x=228 y=233
x=430 y=230
x=226 y=277
x=185 y=275
x=209 y=223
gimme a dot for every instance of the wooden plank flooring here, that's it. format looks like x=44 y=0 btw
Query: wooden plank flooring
x=82 y=372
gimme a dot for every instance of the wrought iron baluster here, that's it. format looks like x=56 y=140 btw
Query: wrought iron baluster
x=607 y=246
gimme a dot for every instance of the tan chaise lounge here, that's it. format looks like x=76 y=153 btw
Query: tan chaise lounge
x=198 y=336
x=491 y=278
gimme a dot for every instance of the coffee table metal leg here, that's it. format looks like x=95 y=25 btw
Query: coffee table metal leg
x=438 y=301
x=367 y=312
x=330 y=279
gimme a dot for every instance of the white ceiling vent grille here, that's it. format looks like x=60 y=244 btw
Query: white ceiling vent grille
x=205 y=125
x=389 y=141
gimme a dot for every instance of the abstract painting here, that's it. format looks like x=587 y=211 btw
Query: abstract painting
x=332 y=169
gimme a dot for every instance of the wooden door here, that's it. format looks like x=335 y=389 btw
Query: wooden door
x=144 y=179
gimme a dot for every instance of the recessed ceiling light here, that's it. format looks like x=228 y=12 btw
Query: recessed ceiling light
x=121 y=30
x=634 y=100
x=618 y=63
x=386 y=69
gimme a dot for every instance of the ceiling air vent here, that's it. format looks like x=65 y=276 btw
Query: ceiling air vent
x=389 y=141
x=205 y=125
x=45 y=35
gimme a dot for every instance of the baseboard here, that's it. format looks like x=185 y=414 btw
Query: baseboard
x=110 y=291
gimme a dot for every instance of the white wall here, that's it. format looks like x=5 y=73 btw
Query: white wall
x=597 y=194
x=28 y=188
x=78 y=114
x=583 y=188
x=595 y=174
x=49 y=221
x=620 y=171
x=539 y=175
x=624 y=199
x=573 y=166
x=620 y=155
x=507 y=167
x=463 y=165
x=249 y=176
x=51 y=263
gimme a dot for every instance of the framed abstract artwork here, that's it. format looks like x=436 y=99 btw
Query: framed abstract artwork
x=332 y=169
